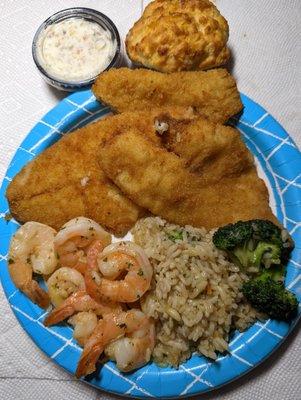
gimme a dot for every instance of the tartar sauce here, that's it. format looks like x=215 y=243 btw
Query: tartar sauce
x=75 y=49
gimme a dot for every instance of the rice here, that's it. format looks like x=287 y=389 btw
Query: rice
x=195 y=296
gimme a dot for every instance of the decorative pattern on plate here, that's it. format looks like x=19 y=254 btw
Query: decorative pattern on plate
x=280 y=160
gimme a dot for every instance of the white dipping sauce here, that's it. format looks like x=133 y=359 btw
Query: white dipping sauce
x=75 y=49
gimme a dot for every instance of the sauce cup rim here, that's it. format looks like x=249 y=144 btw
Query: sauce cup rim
x=75 y=12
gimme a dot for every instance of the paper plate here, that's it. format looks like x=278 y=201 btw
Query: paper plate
x=280 y=161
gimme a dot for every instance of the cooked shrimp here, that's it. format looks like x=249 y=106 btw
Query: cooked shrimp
x=134 y=351
x=73 y=239
x=104 y=266
x=62 y=283
x=111 y=327
x=33 y=244
x=78 y=302
x=21 y=275
x=84 y=324
x=32 y=250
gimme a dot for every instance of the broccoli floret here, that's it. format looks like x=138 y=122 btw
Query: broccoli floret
x=254 y=243
x=267 y=294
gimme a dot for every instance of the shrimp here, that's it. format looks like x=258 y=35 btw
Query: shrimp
x=32 y=251
x=103 y=267
x=73 y=239
x=21 y=274
x=84 y=324
x=62 y=283
x=111 y=327
x=33 y=244
x=134 y=351
x=79 y=302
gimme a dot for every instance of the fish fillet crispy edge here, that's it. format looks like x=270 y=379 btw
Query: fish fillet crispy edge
x=212 y=94
x=159 y=181
x=66 y=181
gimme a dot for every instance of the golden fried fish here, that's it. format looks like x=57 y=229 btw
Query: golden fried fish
x=66 y=181
x=212 y=94
x=178 y=35
x=160 y=181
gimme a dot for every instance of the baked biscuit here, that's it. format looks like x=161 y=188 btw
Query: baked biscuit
x=179 y=35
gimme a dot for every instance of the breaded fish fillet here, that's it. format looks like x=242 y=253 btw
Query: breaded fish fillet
x=66 y=181
x=211 y=150
x=159 y=181
x=212 y=94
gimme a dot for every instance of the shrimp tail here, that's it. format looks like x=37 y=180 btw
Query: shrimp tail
x=88 y=360
x=73 y=303
x=58 y=315
x=37 y=294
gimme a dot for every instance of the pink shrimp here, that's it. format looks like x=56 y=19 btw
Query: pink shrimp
x=78 y=302
x=134 y=350
x=104 y=266
x=22 y=275
x=73 y=240
x=111 y=327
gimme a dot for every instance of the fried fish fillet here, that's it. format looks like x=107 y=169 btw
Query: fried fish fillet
x=211 y=150
x=159 y=181
x=66 y=181
x=179 y=35
x=212 y=94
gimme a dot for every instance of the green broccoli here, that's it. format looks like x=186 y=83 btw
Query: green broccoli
x=267 y=294
x=254 y=243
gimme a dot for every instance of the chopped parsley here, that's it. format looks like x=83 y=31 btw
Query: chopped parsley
x=140 y=272
x=175 y=235
x=122 y=325
x=10 y=261
x=8 y=217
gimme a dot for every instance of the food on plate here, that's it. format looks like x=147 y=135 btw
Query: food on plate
x=62 y=283
x=105 y=265
x=65 y=181
x=254 y=244
x=133 y=351
x=179 y=35
x=261 y=249
x=171 y=291
x=73 y=240
x=75 y=49
x=133 y=323
x=195 y=297
x=212 y=94
x=80 y=301
x=122 y=271
x=84 y=323
x=32 y=251
x=68 y=175
x=267 y=294
x=159 y=181
x=213 y=151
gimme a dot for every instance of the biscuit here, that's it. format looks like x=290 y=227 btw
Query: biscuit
x=179 y=35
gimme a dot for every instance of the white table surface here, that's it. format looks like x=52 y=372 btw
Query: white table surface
x=265 y=39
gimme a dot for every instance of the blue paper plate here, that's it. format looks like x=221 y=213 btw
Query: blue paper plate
x=280 y=160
